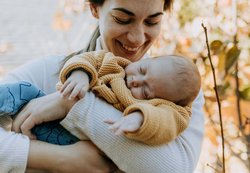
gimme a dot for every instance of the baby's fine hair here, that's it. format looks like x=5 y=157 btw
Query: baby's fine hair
x=187 y=79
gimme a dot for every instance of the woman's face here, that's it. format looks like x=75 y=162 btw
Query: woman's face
x=129 y=27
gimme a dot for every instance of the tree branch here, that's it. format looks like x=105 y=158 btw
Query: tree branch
x=217 y=98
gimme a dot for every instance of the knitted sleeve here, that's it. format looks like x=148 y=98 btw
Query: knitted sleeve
x=14 y=147
x=180 y=155
x=98 y=64
x=162 y=123
x=14 y=150
x=89 y=62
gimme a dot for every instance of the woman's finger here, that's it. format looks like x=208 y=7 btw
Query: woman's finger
x=18 y=121
x=26 y=127
x=109 y=121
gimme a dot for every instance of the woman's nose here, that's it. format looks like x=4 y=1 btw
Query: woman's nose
x=137 y=36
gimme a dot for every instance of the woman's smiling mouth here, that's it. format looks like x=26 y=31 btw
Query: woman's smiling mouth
x=127 y=50
x=130 y=48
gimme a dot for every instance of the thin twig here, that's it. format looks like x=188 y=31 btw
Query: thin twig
x=233 y=153
x=238 y=96
x=216 y=170
x=235 y=41
x=218 y=100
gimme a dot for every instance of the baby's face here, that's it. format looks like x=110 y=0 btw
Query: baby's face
x=145 y=78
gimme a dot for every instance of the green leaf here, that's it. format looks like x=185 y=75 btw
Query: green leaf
x=231 y=57
x=245 y=93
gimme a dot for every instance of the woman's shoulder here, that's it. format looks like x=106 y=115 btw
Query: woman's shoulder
x=47 y=59
x=42 y=72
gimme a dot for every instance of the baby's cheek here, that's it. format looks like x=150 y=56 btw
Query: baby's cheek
x=137 y=93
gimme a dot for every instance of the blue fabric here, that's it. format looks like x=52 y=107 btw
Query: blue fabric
x=14 y=96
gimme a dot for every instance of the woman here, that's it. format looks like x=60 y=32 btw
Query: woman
x=128 y=29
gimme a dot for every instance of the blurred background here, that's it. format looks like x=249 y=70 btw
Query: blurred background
x=33 y=28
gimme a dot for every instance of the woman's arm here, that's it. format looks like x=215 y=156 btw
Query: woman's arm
x=42 y=72
x=14 y=148
x=80 y=157
x=181 y=155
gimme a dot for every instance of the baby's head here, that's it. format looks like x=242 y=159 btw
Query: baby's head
x=172 y=78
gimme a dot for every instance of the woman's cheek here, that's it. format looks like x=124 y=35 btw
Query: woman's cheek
x=154 y=31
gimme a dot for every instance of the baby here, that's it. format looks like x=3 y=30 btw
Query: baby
x=155 y=94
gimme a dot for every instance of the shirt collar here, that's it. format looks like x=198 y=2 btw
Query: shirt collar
x=98 y=45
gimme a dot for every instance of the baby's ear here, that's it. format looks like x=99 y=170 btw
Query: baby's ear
x=94 y=10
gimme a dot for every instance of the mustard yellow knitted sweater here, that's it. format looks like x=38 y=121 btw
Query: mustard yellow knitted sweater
x=163 y=120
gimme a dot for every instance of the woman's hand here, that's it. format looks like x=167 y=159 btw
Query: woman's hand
x=80 y=157
x=42 y=109
x=84 y=157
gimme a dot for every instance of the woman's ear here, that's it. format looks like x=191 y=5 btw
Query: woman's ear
x=94 y=10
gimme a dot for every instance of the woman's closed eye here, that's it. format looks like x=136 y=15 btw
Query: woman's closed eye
x=151 y=23
x=121 y=20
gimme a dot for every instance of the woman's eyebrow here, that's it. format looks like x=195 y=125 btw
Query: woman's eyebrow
x=132 y=14
x=155 y=15
x=125 y=11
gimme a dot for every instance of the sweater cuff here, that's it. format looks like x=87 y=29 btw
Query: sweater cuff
x=14 y=151
x=80 y=69
x=149 y=126
x=90 y=70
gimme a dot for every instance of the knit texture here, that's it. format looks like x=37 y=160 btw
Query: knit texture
x=86 y=119
x=163 y=120
x=14 y=148
x=180 y=155
x=14 y=143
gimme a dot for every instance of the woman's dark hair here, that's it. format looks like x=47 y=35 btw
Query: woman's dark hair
x=167 y=5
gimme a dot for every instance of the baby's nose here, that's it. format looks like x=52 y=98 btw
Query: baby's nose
x=136 y=81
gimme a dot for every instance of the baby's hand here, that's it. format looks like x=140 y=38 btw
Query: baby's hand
x=130 y=123
x=76 y=85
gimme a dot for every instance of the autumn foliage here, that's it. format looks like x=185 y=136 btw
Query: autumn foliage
x=228 y=32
